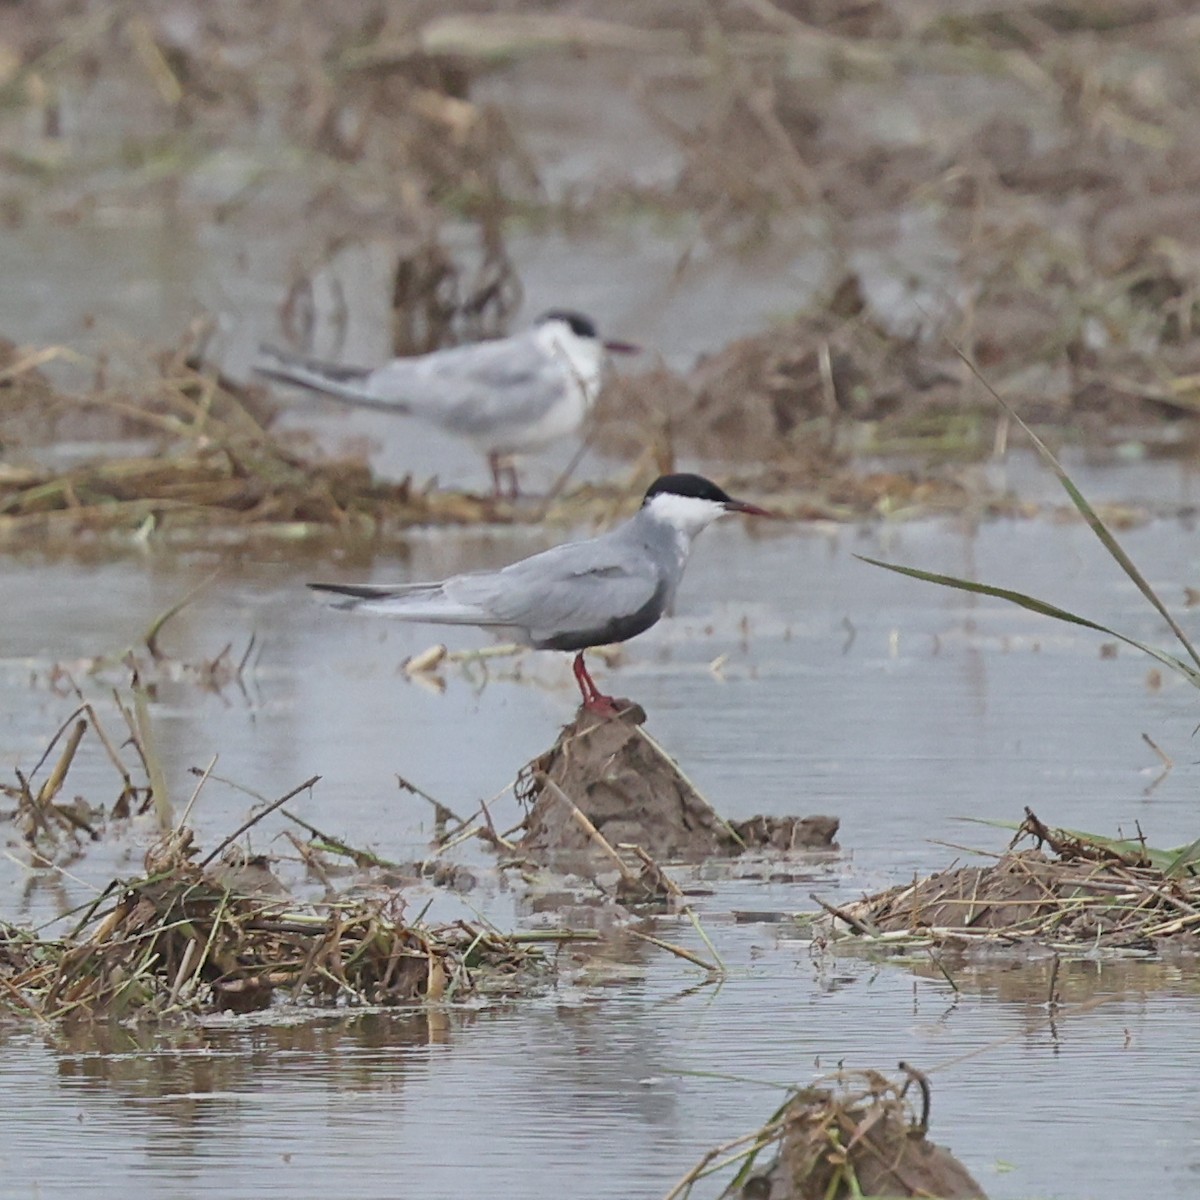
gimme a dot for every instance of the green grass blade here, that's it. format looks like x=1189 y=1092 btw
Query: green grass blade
x=1044 y=608
x=1089 y=514
x=1172 y=862
x=1183 y=862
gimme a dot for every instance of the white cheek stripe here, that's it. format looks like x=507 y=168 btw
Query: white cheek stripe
x=688 y=513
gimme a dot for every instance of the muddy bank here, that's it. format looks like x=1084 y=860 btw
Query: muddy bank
x=606 y=784
x=1069 y=891
x=861 y=1135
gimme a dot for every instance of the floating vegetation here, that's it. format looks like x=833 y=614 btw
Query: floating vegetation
x=214 y=468
x=1071 y=891
x=222 y=933
x=194 y=937
x=855 y=1133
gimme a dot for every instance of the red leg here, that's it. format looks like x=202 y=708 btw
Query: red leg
x=494 y=462
x=593 y=699
x=503 y=469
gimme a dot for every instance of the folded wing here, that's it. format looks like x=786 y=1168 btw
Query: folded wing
x=567 y=598
x=477 y=390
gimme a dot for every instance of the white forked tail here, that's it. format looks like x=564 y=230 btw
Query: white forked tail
x=341 y=383
x=405 y=602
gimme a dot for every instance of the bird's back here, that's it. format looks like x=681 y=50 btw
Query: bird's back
x=492 y=392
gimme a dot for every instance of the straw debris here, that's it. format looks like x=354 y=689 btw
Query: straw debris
x=54 y=829
x=214 y=468
x=189 y=937
x=1069 y=891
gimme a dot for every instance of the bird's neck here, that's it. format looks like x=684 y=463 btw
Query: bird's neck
x=583 y=357
x=668 y=535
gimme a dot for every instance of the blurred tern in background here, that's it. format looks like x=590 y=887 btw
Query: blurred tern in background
x=606 y=589
x=506 y=396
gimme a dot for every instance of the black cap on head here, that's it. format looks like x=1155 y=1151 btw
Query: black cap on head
x=687 y=485
x=581 y=326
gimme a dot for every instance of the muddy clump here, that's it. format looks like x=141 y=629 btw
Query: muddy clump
x=606 y=783
x=864 y=1143
x=1068 y=890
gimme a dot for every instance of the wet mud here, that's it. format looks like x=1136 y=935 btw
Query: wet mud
x=605 y=781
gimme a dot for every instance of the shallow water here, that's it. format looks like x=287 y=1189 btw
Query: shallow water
x=536 y=1100
x=898 y=707
x=813 y=712
x=810 y=708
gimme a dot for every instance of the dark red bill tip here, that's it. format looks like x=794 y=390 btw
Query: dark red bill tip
x=751 y=510
x=622 y=348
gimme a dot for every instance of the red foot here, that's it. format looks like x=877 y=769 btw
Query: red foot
x=593 y=699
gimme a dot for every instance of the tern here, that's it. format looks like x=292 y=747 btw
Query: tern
x=506 y=396
x=580 y=594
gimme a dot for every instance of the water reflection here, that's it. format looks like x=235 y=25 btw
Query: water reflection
x=618 y=1086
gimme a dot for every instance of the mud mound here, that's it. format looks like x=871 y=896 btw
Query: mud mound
x=888 y=1153
x=860 y=1138
x=607 y=781
x=1087 y=891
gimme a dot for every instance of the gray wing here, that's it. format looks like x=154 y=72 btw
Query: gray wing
x=582 y=593
x=475 y=390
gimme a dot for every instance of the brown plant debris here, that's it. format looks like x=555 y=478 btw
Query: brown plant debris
x=199 y=938
x=806 y=396
x=345 y=120
x=54 y=830
x=214 y=468
x=1068 y=890
x=606 y=783
x=861 y=1135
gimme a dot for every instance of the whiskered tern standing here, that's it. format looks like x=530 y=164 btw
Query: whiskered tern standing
x=506 y=396
x=606 y=589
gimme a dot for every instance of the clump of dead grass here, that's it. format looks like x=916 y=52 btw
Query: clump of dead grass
x=213 y=468
x=196 y=937
x=1068 y=891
